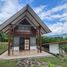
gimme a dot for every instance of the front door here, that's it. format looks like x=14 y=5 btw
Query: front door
x=27 y=44
x=21 y=43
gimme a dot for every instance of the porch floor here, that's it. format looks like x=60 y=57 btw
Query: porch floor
x=24 y=54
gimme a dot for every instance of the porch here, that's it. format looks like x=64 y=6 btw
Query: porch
x=24 y=54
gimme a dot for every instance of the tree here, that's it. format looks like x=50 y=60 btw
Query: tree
x=3 y=37
x=46 y=39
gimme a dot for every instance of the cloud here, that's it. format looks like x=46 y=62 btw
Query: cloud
x=60 y=19
x=56 y=28
x=39 y=9
x=9 y=8
x=60 y=25
x=59 y=28
x=52 y=12
x=64 y=17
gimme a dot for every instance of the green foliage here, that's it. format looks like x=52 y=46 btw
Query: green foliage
x=3 y=37
x=64 y=47
x=46 y=39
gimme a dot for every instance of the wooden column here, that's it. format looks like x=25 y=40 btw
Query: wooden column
x=9 y=40
x=37 y=41
x=40 y=38
x=12 y=40
x=8 y=46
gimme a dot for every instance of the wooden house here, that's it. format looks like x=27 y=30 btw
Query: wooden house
x=23 y=29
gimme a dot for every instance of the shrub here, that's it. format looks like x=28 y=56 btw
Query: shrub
x=64 y=47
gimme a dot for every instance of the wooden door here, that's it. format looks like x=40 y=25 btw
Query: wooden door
x=27 y=44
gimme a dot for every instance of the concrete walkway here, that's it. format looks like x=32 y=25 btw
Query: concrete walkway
x=24 y=54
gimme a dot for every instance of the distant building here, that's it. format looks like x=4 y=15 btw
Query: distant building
x=54 y=47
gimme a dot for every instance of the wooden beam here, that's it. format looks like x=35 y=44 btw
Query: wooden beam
x=36 y=21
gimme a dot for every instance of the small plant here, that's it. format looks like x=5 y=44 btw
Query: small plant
x=51 y=65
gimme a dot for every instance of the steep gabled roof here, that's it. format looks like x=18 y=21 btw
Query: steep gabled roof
x=26 y=12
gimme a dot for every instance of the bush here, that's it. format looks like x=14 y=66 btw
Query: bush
x=65 y=49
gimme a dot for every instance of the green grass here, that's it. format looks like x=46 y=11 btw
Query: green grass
x=3 y=47
x=8 y=63
x=54 y=60
x=51 y=60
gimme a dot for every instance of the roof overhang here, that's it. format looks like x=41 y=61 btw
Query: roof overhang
x=26 y=12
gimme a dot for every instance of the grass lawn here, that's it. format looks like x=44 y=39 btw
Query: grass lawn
x=8 y=63
x=54 y=61
x=3 y=46
x=51 y=60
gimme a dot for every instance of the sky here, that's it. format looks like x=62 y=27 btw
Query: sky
x=52 y=12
